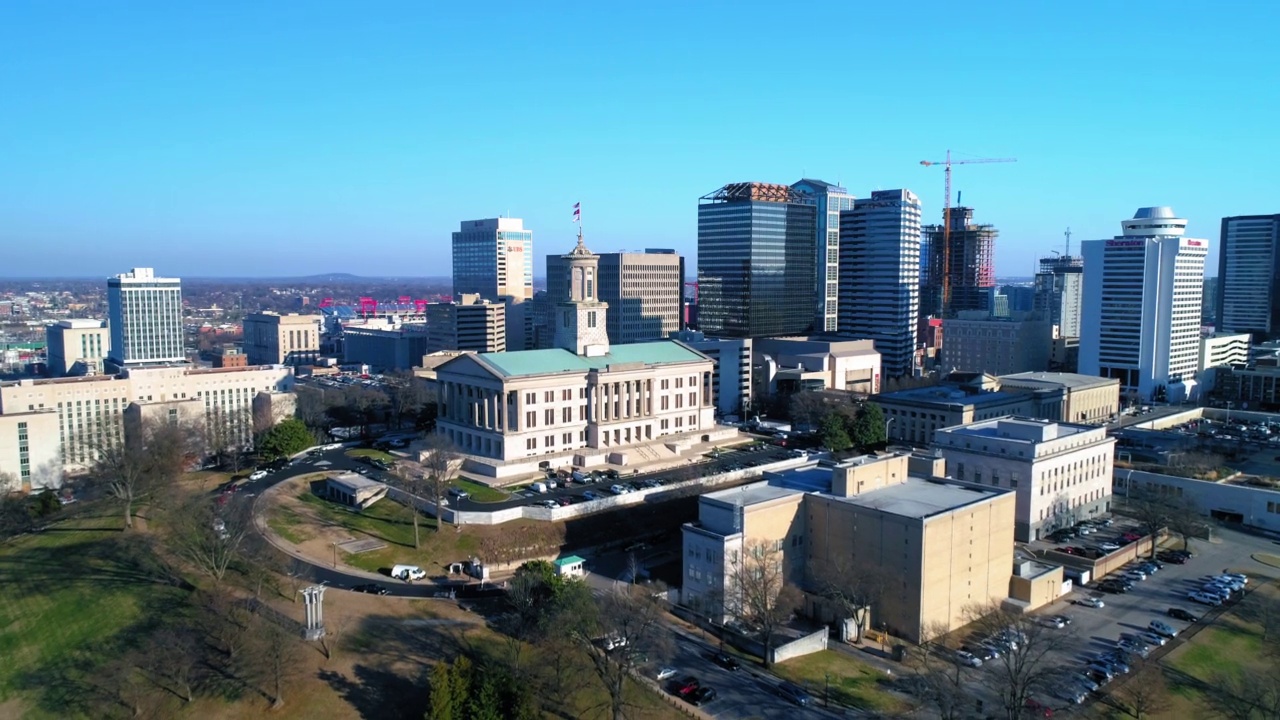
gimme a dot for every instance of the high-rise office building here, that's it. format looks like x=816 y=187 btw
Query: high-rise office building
x=880 y=276
x=830 y=200
x=1058 y=288
x=493 y=258
x=274 y=339
x=1142 y=293
x=643 y=291
x=1248 y=279
x=756 y=261
x=144 y=313
x=468 y=323
x=968 y=268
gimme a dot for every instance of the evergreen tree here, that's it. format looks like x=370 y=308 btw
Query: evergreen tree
x=833 y=434
x=288 y=438
x=868 y=428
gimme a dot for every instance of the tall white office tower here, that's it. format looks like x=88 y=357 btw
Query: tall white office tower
x=493 y=258
x=144 y=313
x=1142 y=296
x=880 y=275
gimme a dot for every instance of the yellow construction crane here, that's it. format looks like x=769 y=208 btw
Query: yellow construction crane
x=946 y=220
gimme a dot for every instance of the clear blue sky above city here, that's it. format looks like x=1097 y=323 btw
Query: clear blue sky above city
x=265 y=139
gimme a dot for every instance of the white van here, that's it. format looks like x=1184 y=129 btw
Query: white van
x=407 y=573
x=538 y=487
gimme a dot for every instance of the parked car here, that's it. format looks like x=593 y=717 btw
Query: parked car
x=408 y=573
x=1051 y=621
x=980 y=651
x=1204 y=598
x=1084 y=681
x=1100 y=671
x=794 y=693
x=371 y=588
x=257 y=474
x=1153 y=639
x=725 y=660
x=685 y=686
x=1037 y=708
x=1162 y=628
x=1180 y=614
x=665 y=673
x=459 y=493
x=967 y=658
x=1074 y=694
x=1108 y=546
x=592 y=495
x=1093 y=602
x=703 y=695
x=1113 y=588
x=618 y=490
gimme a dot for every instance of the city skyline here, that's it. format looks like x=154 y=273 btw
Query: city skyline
x=248 y=151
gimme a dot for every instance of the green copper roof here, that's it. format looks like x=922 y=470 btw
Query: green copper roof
x=546 y=362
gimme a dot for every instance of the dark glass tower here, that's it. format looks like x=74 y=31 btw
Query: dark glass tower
x=756 y=261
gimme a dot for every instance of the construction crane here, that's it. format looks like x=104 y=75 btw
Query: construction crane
x=946 y=219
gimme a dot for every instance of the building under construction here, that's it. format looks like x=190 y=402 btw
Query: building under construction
x=966 y=272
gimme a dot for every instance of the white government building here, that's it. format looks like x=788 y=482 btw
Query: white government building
x=583 y=402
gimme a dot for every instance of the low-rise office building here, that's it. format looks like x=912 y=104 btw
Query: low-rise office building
x=90 y=410
x=398 y=347
x=275 y=339
x=914 y=415
x=77 y=346
x=941 y=548
x=1068 y=397
x=1060 y=473
x=229 y=357
x=784 y=364
x=731 y=378
x=999 y=346
x=470 y=324
x=29 y=451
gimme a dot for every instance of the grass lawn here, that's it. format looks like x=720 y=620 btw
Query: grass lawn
x=480 y=492
x=388 y=521
x=853 y=683
x=371 y=453
x=1221 y=648
x=73 y=596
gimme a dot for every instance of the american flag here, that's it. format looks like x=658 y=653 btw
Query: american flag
x=577 y=212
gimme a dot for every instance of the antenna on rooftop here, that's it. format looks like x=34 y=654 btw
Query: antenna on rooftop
x=1068 y=234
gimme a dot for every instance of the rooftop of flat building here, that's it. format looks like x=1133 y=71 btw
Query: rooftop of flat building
x=1019 y=430
x=755 y=493
x=946 y=394
x=556 y=360
x=81 y=324
x=1072 y=381
x=355 y=482
x=919 y=498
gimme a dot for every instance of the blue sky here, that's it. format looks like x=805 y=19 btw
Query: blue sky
x=293 y=138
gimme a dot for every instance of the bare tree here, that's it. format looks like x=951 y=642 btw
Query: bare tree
x=1026 y=665
x=210 y=541
x=853 y=589
x=174 y=659
x=626 y=630
x=759 y=595
x=1152 y=511
x=940 y=680
x=1145 y=693
x=441 y=462
x=1244 y=695
x=335 y=626
x=276 y=652
x=1185 y=520
x=228 y=432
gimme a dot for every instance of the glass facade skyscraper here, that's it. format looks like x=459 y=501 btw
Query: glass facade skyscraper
x=830 y=200
x=1248 y=299
x=880 y=276
x=756 y=270
x=493 y=258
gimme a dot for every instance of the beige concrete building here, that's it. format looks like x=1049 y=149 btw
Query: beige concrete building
x=941 y=547
x=815 y=363
x=469 y=324
x=1060 y=473
x=584 y=402
x=914 y=415
x=731 y=379
x=999 y=346
x=90 y=410
x=1068 y=397
x=275 y=339
x=29 y=451
x=77 y=346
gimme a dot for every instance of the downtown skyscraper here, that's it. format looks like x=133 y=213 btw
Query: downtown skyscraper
x=1059 y=287
x=1142 y=295
x=756 y=261
x=880 y=276
x=959 y=263
x=493 y=258
x=830 y=201
x=1248 y=299
x=144 y=315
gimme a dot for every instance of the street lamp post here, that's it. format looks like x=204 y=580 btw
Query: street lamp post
x=335 y=555
x=886 y=428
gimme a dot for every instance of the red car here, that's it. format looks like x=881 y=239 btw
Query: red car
x=1130 y=537
x=685 y=686
x=1037 y=708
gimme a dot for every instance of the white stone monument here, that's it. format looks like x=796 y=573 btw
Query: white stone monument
x=313 y=596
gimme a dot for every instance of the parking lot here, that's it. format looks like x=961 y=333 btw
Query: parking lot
x=1096 y=630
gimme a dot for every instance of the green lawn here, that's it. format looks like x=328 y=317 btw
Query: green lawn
x=72 y=597
x=289 y=525
x=390 y=522
x=853 y=683
x=480 y=492
x=1221 y=648
x=371 y=453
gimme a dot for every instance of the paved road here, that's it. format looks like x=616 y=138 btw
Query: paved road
x=575 y=490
